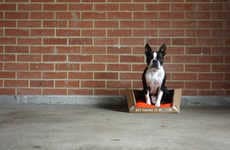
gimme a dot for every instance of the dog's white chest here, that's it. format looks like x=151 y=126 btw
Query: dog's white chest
x=154 y=79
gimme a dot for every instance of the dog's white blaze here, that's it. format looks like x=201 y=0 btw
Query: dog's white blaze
x=154 y=55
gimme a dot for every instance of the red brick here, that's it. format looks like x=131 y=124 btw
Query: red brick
x=67 y=84
x=17 y=15
x=80 y=41
x=132 y=41
x=94 y=33
x=42 y=1
x=80 y=91
x=41 y=67
x=184 y=76
x=7 y=91
x=157 y=24
x=30 y=7
x=119 y=67
x=28 y=23
x=106 y=92
x=67 y=67
x=30 y=41
x=221 y=68
x=51 y=58
x=198 y=50
x=59 y=23
x=54 y=75
x=197 y=85
x=80 y=58
x=145 y=15
x=216 y=92
x=174 y=67
x=137 y=84
x=92 y=67
x=29 y=75
x=184 y=41
x=105 y=75
x=67 y=32
x=80 y=75
x=5 y=40
x=190 y=92
x=119 y=84
x=172 y=15
x=29 y=58
x=130 y=76
x=159 y=41
x=81 y=24
x=93 y=50
x=197 y=68
x=211 y=76
x=42 y=49
x=7 y=23
x=41 y=15
x=133 y=59
x=184 y=59
x=158 y=7
x=132 y=24
x=56 y=41
x=42 y=32
x=106 y=58
x=221 y=85
x=16 y=32
x=54 y=91
x=7 y=58
x=8 y=7
x=16 y=49
x=210 y=59
x=7 y=74
x=146 y=32
x=68 y=49
x=175 y=51
x=138 y=67
x=106 y=24
x=106 y=7
x=16 y=83
x=93 y=15
x=175 y=84
x=119 y=15
x=210 y=24
x=91 y=84
x=55 y=7
x=174 y=33
x=16 y=67
x=119 y=50
x=41 y=83
x=28 y=91
x=106 y=41
x=80 y=7
x=132 y=7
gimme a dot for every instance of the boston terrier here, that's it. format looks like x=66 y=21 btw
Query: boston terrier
x=154 y=76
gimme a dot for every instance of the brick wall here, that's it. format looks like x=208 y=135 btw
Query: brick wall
x=66 y=47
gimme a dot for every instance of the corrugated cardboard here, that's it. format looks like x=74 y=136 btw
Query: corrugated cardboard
x=176 y=101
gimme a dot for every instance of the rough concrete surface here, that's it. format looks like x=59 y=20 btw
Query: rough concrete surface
x=77 y=127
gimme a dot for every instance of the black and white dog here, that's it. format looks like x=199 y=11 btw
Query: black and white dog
x=154 y=75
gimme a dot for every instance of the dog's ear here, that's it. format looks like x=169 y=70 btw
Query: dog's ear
x=162 y=49
x=148 y=53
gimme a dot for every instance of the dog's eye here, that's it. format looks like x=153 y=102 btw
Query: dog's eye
x=159 y=56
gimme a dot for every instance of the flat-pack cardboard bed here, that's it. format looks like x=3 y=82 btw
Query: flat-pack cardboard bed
x=136 y=102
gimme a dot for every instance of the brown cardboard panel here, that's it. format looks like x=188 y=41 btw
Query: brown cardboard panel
x=176 y=101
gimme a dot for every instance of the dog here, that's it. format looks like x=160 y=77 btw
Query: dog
x=154 y=76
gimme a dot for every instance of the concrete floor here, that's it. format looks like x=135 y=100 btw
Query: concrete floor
x=74 y=127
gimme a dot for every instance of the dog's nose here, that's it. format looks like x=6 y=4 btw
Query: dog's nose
x=155 y=64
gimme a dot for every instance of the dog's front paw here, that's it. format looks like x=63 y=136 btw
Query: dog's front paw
x=158 y=104
x=147 y=100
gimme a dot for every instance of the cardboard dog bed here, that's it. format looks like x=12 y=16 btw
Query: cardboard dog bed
x=136 y=102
